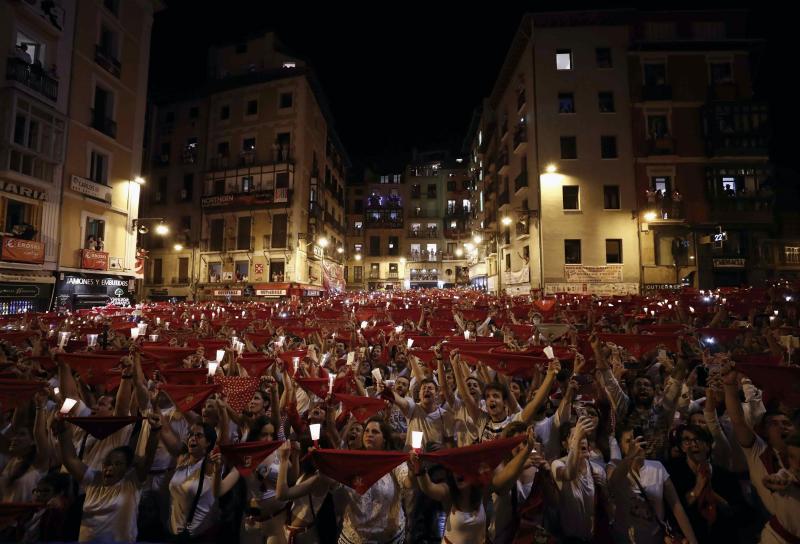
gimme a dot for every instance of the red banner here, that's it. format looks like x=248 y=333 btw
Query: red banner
x=22 y=251
x=94 y=260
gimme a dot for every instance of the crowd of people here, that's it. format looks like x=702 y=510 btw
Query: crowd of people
x=448 y=416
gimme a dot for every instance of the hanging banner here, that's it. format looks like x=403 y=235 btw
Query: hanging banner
x=22 y=251
x=578 y=273
x=600 y=289
x=523 y=275
x=94 y=260
x=332 y=276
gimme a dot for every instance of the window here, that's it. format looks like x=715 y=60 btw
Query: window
x=358 y=248
x=160 y=194
x=19 y=216
x=451 y=207
x=611 y=197
x=613 y=251
x=248 y=145
x=570 y=198
x=451 y=186
x=358 y=206
x=95 y=231
x=431 y=190
x=569 y=147
x=526 y=252
x=158 y=271
x=219 y=186
x=374 y=271
x=217 y=233
x=396 y=178
x=103 y=112
x=792 y=254
x=394 y=245
x=242 y=269
x=720 y=72
x=662 y=183
x=109 y=42
x=247 y=184
x=194 y=112
x=214 y=272
x=98 y=167
x=657 y=126
x=603 y=57
x=572 y=252
x=608 y=147
x=384 y=180
x=655 y=74
x=183 y=269
x=358 y=273
x=285 y=100
x=279 y=230
x=347 y=274
x=252 y=107
x=39 y=139
x=375 y=246
x=223 y=149
x=243 y=233
x=188 y=187
x=563 y=59
x=566 y=103
x=224 y=112
x=276 y=270
x=508 y=261
x=605 y=101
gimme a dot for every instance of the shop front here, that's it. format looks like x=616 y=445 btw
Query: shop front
x=82 y=290
x=25 y=292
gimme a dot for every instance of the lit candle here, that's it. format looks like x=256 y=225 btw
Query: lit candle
x=376 y=375
x=135 y=333
x=91 y=340
x=68 y=405
x=212 y=367
x=315 y=428
x=295 y=363
x=416 y=440
x=142 y=328
x=331 y=377
x=409 y=343
x=398 y=329
x=62 y=339
x=220 y=355
x=153 y=338
x=548 y=350
x=466 y=335
x=363 y=324
x=56 y=391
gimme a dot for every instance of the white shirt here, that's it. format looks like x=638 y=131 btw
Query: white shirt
x=109 y=511
x=437 y=426
x=576 y=500
x=466 y=527
x=784 y=505
x=182 y=490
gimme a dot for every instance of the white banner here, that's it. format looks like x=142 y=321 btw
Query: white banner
x=523 y=275
x=227 y=292
x=578 y=273
x=601 y=289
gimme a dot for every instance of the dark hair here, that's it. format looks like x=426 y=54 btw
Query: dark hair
x=59 y=481
x=255 y=428
x=209 y=432
x=699 y=432
x=475 y=491
x=514 y=428
x=386 y=431
x=126 y=452
x=497 y=386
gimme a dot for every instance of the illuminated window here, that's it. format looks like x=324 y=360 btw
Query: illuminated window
x=563 y=59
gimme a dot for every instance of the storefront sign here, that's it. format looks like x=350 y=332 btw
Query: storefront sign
x=578 y=273
x=21 y=190
x=312 y=293
x=601 y=289
x=729 y=263
x=22 y=251
x=94 y=260
x=271 y=292
x=662 y=286
x=92 y=189
x=227 y=292
x=75 y=291
x=10 y=290
x=317 y=251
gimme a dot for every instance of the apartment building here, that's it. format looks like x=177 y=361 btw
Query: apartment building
x=73 y=105
x=250 y=180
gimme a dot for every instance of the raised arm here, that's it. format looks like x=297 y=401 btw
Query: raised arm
x=448 y=395
x=529 y=412
x=671 y=496
x=744 y=434
x=143 y=465
x=282 y=490
x=438 y=492
x=571 y=470
x=71 y=462
x=473 y=410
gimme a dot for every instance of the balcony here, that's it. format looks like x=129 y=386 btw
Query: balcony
x=424 y=256
x=521 y=183
x=422 y=275
x=374 y=275
x=459 y=231
x=521 y=229
x=521 y=101
x=422 y=214
x=502 y=163
x=33 y=77
x=737 y=129
x=104 y=124
x=742 y=209
x=250 y=158
x=387 y=219
x=106 y=60
x=423 y=233
x=181 y=281
x=520 y=139
x=656 y=92
x=315 y=210
x=503 y=199
x=661 y=146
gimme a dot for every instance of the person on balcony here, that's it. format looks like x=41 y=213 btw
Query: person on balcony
x=21 y=52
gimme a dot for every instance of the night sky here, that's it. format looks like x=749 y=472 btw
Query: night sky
x=411 y=77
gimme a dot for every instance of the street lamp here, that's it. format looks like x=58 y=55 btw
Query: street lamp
x=323 y=242
x=162 y=229
x=650 y=216
x=358 y=256
x=477 y=239
x=178 y=247
x=139 y=180
x=506 y=221
x=340 y=250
